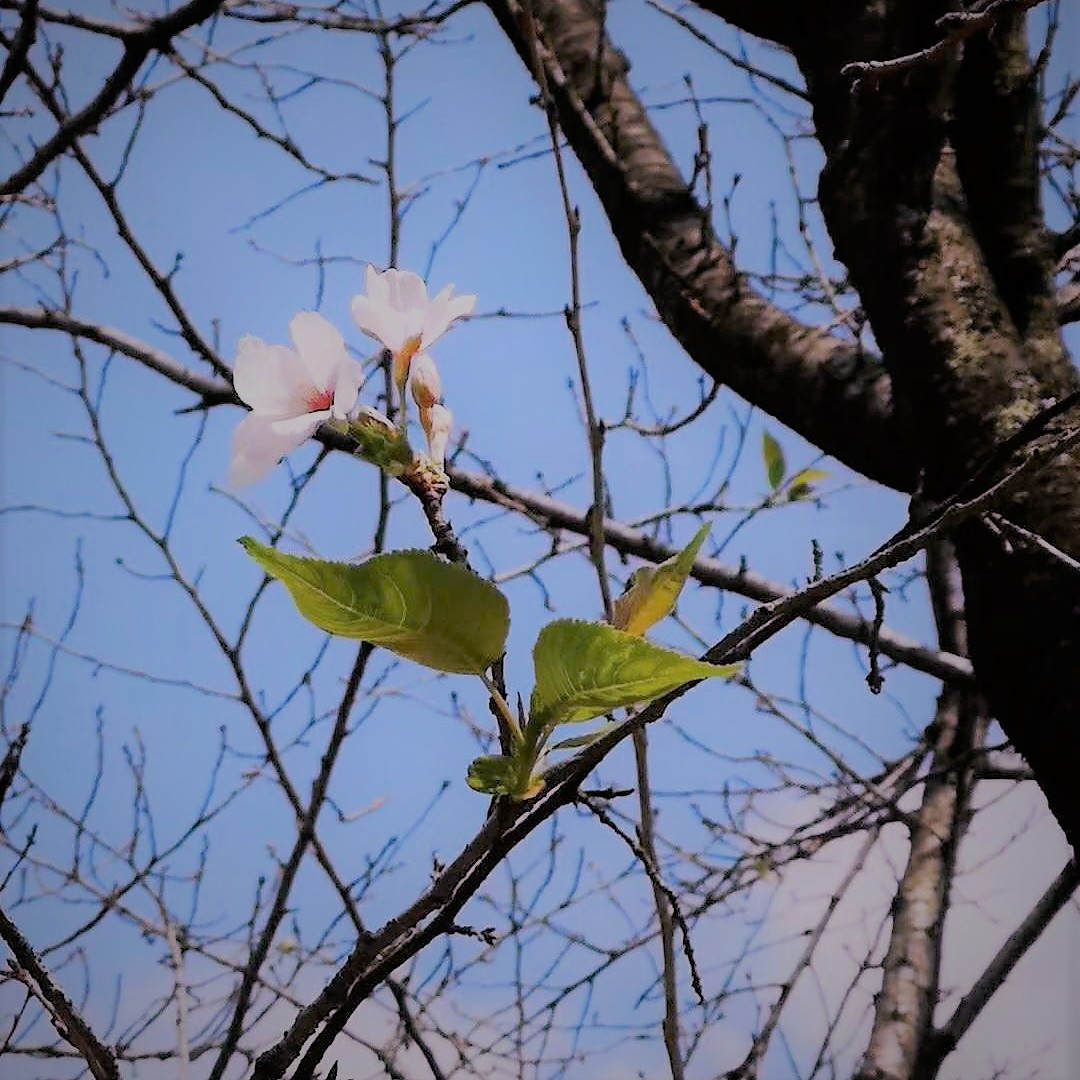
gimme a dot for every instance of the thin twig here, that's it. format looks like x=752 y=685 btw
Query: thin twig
x=69 y=1025
x=542 y=508
x=138 y=45
x=1008 y=956
x=957 y=25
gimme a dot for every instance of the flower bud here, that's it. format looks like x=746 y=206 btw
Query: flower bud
x=425 y=381
x=366 y=416
x=437 y=422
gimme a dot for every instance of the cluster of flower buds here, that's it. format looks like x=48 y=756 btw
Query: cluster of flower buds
x=435 y=418
x=397 y=312
x=291 y=392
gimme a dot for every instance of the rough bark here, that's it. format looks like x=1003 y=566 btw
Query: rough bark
x=957 y=285
x=959 y=291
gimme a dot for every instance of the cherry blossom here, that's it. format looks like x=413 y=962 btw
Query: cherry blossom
x=397 y=312
x=290 y=393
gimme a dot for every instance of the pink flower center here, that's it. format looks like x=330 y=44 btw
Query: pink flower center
x=319 y=400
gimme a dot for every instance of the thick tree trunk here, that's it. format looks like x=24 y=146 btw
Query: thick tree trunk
x=959 y=291
x=941 y=229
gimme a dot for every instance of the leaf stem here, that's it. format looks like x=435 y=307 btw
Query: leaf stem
x=505 y=712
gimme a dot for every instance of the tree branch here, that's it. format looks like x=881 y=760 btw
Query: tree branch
x=904 y=1007
x=69 y=1025
x=629 y=541
x=211 y=391
x=776 y=21
x=9 y=767
x=1008 y=956
x=956 y=26
x=161 y=282
x=541 y=508
x=966 y=372
x=137 y=47
x=831 y=392
x=996 y=129
x=20 y=47
x=1068 y=304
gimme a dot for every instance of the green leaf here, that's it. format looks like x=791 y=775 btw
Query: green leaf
x=585 y=669
x=492 y=775
x=410 y=602
x=503 y=776
x=584 y=740
x=652 y=591
x=801 y=485
x=773 y=456
x=378 y=441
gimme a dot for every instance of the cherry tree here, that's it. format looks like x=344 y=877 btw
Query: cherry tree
x=655 y=653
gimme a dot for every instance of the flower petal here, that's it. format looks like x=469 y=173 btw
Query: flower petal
x=442 y=311
x=397 y=309
x=349 y=380
x=321 y=347
x=425 y=381
x=299 y=428
x=380 y=321
x=376 y=286
x=270 y=378
x=257 y=448
x=407 y=290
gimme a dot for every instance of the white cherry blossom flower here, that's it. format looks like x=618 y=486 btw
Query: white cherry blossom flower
x=397 y=312
x=290 y=393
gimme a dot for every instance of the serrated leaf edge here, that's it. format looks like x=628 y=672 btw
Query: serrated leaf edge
x=248 y=542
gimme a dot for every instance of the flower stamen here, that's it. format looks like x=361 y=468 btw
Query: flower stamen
x=318 y=400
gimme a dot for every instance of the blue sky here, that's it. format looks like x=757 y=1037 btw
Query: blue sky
x=194 y=181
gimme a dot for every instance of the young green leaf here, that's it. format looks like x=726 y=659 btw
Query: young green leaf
x=410 y=602
x=584 y=740
x=801 y=485
x=502 y=776
x=585 y=669
x=653 y=590
x=379 y=441
x=492 y=775
x=773 y=456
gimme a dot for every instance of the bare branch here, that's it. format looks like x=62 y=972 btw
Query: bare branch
x=19 y=48
x=1008 y=956
x=138 y=45
x=957 y=26
x=211 y=391
x=832 y=392
x=542 y=508
x=904 y=1007
x=65 y=1018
